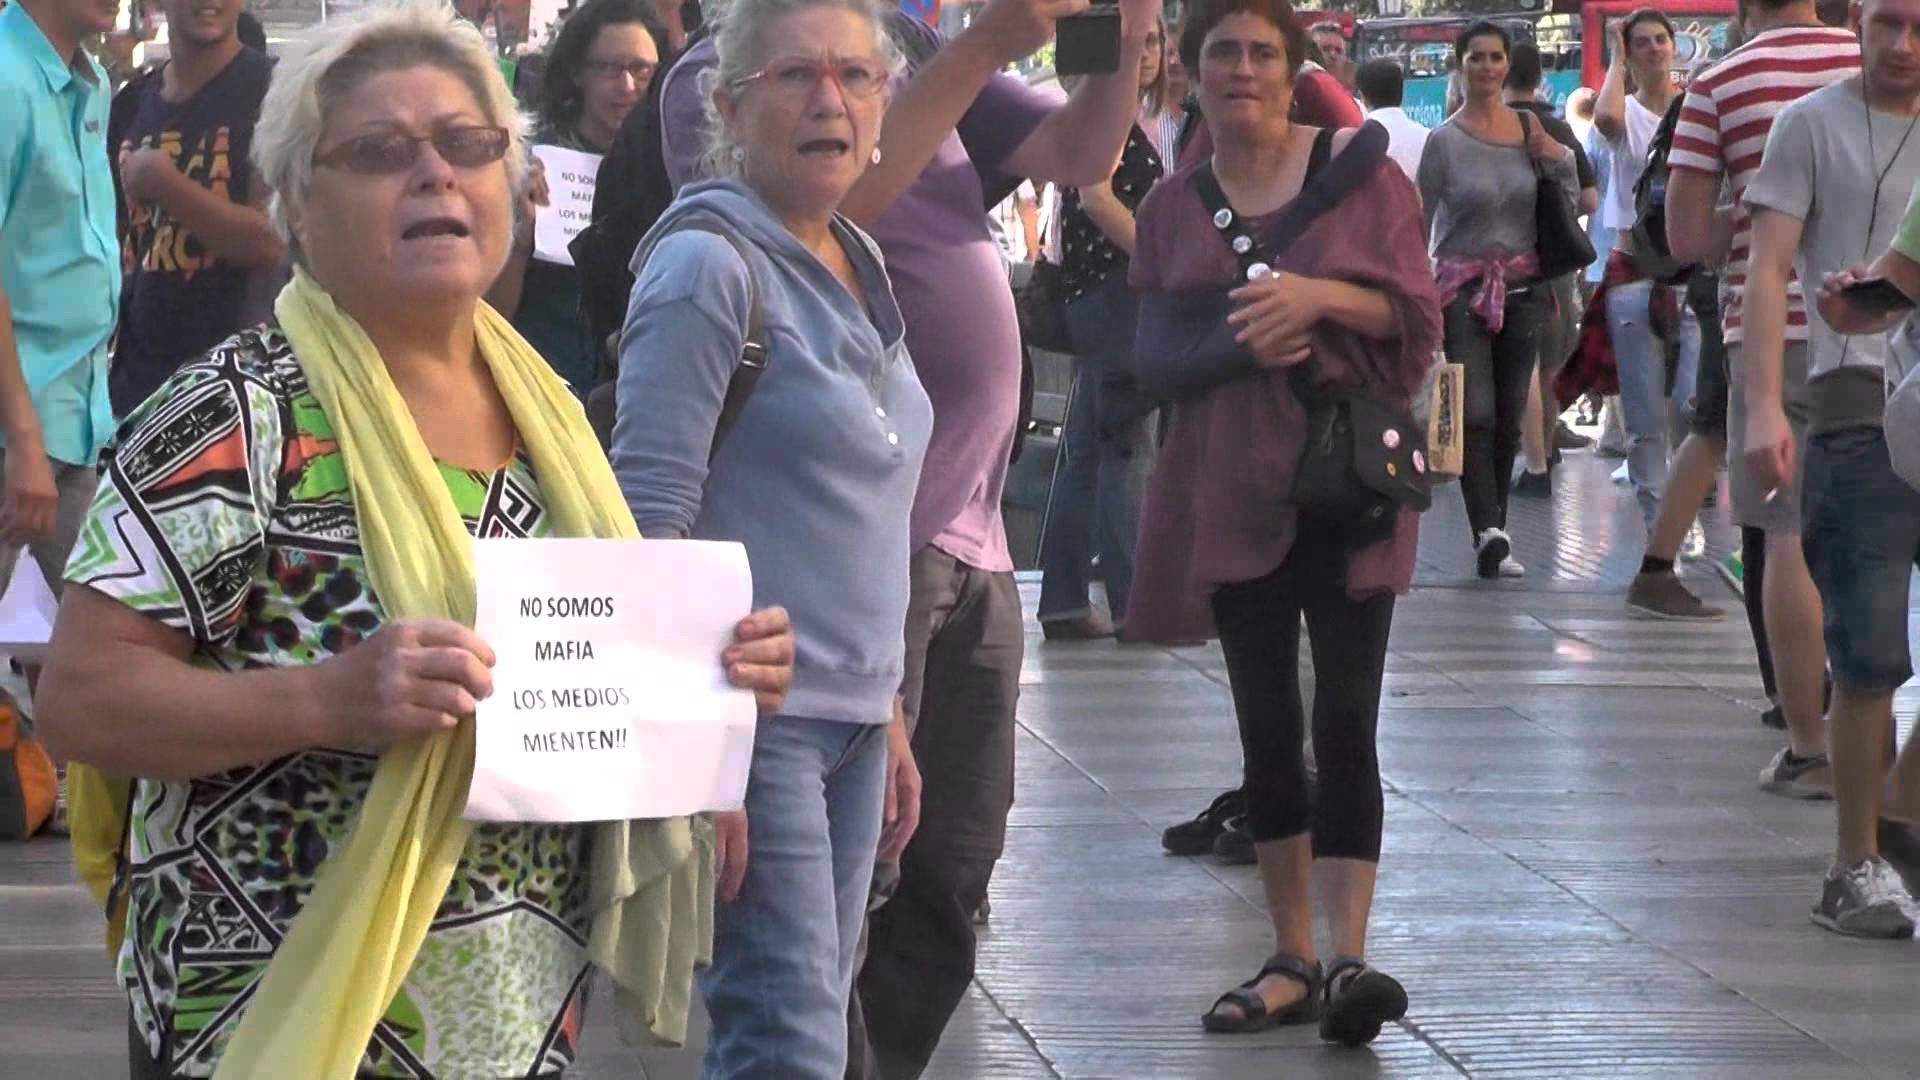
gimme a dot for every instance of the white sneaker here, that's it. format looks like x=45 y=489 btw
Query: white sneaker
x=1510 y=568
x=1621 y=476
x=1865 y=900
x=1492 y=548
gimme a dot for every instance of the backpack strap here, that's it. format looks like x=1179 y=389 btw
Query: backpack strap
x=600 y=403
x=753 y=351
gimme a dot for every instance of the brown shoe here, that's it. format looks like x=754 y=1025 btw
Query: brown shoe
x=1661 y=596
x=1089 y=627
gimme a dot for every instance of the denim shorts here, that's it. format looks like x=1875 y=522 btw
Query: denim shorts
x=1710 y=386
x=1862 y=537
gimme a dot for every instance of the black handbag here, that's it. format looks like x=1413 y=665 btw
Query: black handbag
x=1363 y=459
x=1362 y=463
x=1559 y=240
x=1042 y=305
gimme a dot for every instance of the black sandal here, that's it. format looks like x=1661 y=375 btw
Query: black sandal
x=1360 y=1001
x=1254 y=1015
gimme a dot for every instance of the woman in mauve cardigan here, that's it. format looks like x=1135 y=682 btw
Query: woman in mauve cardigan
x=1352 y=297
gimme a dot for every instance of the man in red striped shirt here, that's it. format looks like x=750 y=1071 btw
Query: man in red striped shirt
x=1729 y=111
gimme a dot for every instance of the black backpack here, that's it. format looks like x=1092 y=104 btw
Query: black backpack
x=1649 y=237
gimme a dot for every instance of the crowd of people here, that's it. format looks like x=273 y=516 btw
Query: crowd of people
x=278 y=341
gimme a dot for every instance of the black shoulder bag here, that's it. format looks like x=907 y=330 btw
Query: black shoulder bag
x=746 y=376
x=1363 y=459
x=1559 y=240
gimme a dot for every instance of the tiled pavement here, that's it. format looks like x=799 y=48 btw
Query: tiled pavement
x=1580 y=877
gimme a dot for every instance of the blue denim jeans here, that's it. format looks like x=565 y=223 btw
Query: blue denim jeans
x=1105 y=465
x=783 y=952
x=1646 y=401
x=1861 y=536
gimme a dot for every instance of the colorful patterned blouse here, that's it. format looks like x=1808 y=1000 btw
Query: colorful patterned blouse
x=224 y=511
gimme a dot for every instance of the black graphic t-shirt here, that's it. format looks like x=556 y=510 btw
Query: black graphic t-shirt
x=1090 y=258
x=180 y=299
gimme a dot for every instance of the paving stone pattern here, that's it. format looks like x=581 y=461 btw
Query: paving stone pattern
x=1580 y=876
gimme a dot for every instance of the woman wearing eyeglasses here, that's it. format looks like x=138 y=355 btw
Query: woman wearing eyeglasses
x=269 y=633
x=598 y=70
x=816 y=476
x=1107 y=446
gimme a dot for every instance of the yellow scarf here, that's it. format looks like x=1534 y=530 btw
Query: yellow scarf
x=346 y=955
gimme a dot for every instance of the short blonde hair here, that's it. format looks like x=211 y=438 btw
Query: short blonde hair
x=742 y=48
x=329 y=60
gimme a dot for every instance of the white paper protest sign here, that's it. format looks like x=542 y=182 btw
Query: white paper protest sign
x=609 y=699
x=569 y=209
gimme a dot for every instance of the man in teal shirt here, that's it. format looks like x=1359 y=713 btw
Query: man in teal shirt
x=59 y=275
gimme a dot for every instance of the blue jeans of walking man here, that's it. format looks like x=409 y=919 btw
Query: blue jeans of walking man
x=1646 y=399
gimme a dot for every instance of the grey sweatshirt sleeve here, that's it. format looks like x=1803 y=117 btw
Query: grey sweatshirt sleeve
x=686 y=323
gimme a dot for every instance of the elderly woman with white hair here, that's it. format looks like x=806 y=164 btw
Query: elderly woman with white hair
x=269 y=622
x=813 y=465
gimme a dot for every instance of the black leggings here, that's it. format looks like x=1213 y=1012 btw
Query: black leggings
x=1499 y=369
x=1259 y=624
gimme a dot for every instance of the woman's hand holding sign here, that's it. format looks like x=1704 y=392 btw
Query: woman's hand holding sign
x=413 y=677
x=761 y=658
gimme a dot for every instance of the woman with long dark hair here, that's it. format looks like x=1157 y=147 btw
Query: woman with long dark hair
x=1108 y=448
x=596 y=73
x=1478 y=179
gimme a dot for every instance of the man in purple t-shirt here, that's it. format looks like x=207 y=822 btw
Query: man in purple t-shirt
x=951 y=133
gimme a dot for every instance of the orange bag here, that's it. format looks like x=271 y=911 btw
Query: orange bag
x=27 y=781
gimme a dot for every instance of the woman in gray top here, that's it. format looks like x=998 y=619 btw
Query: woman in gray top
x=1478 y=182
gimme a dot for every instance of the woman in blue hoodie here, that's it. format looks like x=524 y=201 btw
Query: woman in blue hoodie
x=815 y=473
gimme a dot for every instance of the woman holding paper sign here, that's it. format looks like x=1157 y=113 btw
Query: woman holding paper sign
x=268 y=624
x=817 y=477
x=599 y=68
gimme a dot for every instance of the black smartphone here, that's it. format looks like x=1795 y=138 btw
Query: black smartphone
x=1088 y=43
x=1877 y=295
